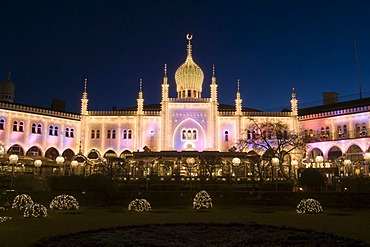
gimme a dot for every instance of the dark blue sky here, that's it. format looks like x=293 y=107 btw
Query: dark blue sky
x=271 y=46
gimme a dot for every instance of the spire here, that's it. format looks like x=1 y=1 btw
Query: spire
x=165 y=85
x=140 y=100
x=189 y=37
x=8 y=76
x=238 y=101
x=294 y=103
x=84 y=100
x=213 y=85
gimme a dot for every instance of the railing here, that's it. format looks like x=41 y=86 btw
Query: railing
x=31 y=109
x=335 y=113
x=256 y=113
x=121 y=113
x=189 y=99
x=321 y=137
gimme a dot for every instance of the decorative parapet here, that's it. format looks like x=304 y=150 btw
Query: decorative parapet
x=256 y=113
x=42 y=111
x=121 y=113
x=335 y=113
x=189 y=99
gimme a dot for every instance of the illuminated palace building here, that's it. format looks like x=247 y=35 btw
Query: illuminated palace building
x=179 y=131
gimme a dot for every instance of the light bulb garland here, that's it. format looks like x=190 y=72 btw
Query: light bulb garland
x=64 y=202
x=311 y=206
x=202 y=200
x=20 y=202
x=35 y=210
x=139 y=205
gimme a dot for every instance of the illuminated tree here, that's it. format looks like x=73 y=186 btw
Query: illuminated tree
x=139 y=205
x=311 y=206
x=202 y=200
x=273 y=139
x=20 y=202
x=64 y=202
x=35 y=210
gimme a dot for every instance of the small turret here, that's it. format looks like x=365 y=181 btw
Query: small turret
x=213 y=86
x=84 y=100
x=238 y=101
x=7 y=89
x=165 y=86
x=140 y=100
x=294 y=103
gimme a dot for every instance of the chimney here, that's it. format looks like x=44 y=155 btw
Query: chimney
x=330 y=97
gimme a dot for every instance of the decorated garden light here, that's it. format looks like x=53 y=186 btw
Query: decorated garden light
x=202 y=200
x=60 y=161
x=4 y=218
x=35 y=210
x=311 y=206
x=13 y=160
x=139 y=205
x=64 y=202
x=38 y=164
x=20 y=202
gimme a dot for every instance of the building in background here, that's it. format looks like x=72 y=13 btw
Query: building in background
x=336 y=133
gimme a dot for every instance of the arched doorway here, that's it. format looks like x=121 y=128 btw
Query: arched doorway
x=52 y=153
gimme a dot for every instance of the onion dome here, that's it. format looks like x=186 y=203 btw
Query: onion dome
x=7 y=89
x=189 y=76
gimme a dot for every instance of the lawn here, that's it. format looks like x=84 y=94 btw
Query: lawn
x=23 y=232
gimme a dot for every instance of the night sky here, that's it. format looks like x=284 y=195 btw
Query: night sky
x=51 y=46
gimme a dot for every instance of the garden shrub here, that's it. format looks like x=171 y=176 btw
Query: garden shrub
x=309 y=206
x=64 y=202
x=139 y=205
x=20 y=202
x=202 y=200
x=35 y=210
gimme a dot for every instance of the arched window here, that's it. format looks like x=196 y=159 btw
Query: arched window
x=113 y=134
x=184 y=135
x=151 y=135
x=51 y=130
x=194 y=134
x=358 y=130
x=56 y=131
x=97 y=134
x=322 y=134
x=72 y=134
x=311 y=133
x=15 y=126
x=363 y=130
x=92 y=134
x=129 y=134
x=21 y=126
x=67 y=132
x=108 y=134
x=189 y=135
x=226 y=136
x=39 y=129
x=344 y=133
x=339 y=131
x=249 y=134
x=327 y=132
x=124 y=134
x=33 y=128
x=2 y=124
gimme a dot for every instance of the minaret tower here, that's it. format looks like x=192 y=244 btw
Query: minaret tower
x=294 y=108
x=165 y=85
x=238 y=102
x=213 y=86
x=84 y=100
x=140 y=100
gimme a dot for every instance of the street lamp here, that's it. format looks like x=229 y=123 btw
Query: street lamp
x=319 y=161
x=366 y=166
x=74 y=164
x=13 y=159
x=236 y=163
x=275 y=162
x=294 y=164
x=60 y=160
x=347 y=163
x=38 y=164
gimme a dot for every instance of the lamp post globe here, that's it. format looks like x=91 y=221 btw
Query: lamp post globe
x=60 y=160
x=13 y=159
x=38 y=164
x=74 y=164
